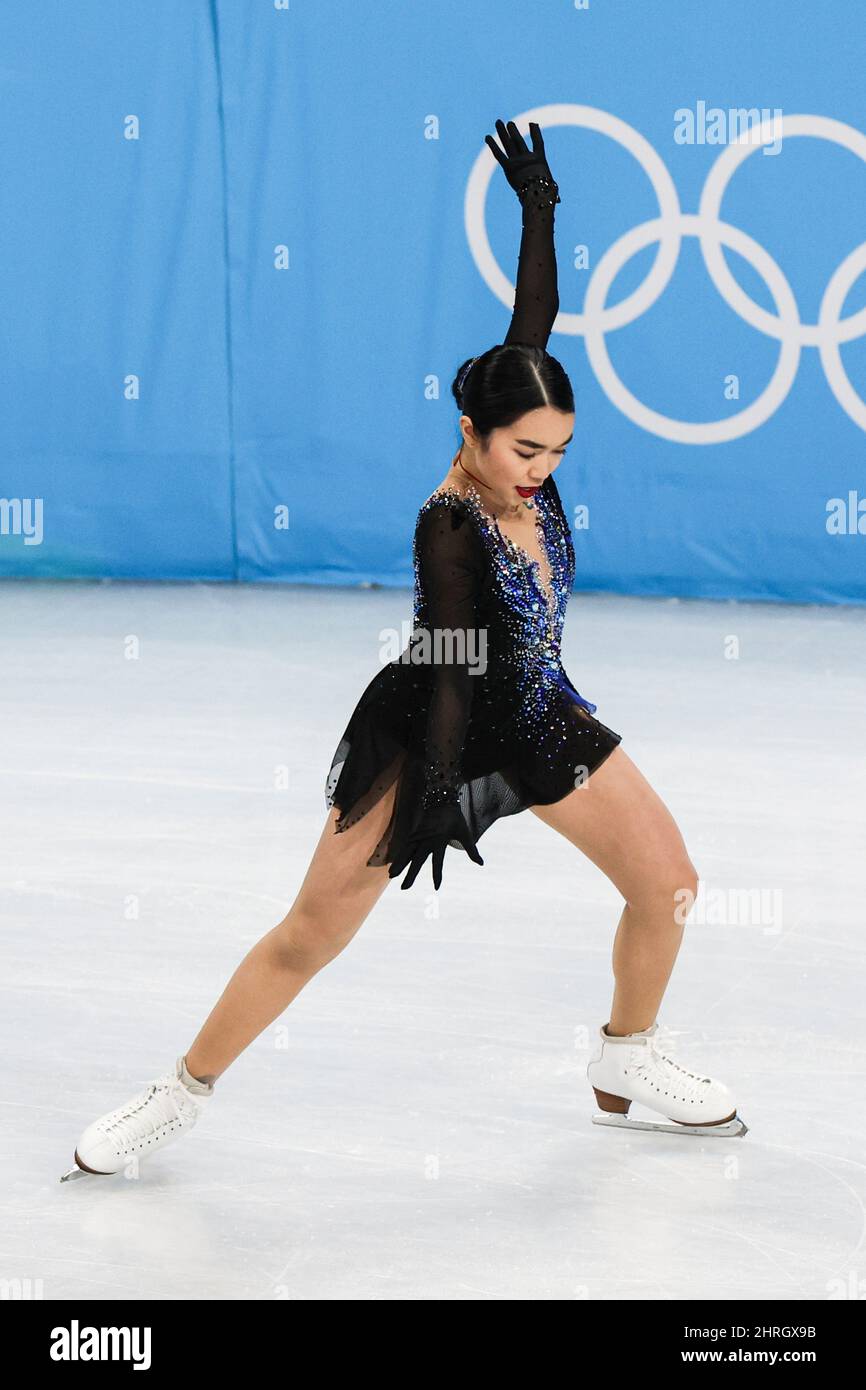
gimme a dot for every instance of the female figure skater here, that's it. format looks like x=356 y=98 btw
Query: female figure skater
x=476 y=719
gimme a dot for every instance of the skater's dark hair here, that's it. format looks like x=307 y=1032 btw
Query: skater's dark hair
x=505 y=382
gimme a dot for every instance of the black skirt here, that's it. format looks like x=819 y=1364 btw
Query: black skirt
x=504 y=771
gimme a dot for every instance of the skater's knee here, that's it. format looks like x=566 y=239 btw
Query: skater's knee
x=673 y=881
x=306 y=941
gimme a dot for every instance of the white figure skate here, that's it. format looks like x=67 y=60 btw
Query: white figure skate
x=161 y=1113
x=633 y=1068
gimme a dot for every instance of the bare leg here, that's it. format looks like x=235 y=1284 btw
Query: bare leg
x=623 y=826
x=337 y=894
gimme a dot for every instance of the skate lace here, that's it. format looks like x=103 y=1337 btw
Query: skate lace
x=162 y=1103
x=656 y=1065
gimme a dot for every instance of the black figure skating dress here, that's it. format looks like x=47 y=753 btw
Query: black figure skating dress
x=492 y=724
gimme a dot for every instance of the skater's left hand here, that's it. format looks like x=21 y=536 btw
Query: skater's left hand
x=440 y=825
x=519 y=163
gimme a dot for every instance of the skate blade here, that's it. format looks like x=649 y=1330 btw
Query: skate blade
x=74 y=1173
x=731 y=1129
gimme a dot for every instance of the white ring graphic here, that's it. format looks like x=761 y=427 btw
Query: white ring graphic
x=711 y=200
x=682 y=431
x=668 y=229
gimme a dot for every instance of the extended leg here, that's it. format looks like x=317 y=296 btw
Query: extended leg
x=336 y=896
x=619 y=822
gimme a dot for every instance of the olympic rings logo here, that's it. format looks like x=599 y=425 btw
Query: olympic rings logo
x=668 y=229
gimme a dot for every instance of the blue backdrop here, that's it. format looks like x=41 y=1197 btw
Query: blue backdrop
x=246 y=245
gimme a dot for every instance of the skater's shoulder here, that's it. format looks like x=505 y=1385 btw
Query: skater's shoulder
x=447 y=493
x=448 y=529
x=444 y=500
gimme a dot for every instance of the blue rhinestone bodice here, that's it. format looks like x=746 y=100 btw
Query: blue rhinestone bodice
x=528 y=606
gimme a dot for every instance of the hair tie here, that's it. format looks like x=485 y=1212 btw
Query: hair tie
x=463 y=374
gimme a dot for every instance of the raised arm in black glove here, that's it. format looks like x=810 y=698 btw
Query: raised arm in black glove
x=536 y=299
x=448 y=553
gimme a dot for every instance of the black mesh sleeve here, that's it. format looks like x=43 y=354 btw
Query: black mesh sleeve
x=450 y=567
x=536 y=299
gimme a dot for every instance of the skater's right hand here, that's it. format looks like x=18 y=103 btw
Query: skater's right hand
x=440 y=825
x=519 y=163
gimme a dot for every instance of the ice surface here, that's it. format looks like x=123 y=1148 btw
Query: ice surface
x=417 y=1124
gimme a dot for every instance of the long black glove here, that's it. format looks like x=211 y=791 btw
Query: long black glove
x=536 y=292
x=439 y=825
x=518 y=163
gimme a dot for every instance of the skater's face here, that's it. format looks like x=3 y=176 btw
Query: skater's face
x=522 y=454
